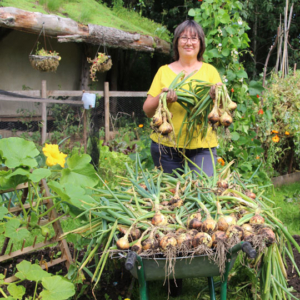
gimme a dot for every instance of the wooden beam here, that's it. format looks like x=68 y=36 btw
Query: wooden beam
x=68 y=30
x=44 y=112
x=106 y=110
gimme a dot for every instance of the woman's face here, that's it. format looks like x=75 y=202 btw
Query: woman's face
x=188 y=44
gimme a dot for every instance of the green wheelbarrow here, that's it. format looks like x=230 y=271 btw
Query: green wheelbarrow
x=149 y=269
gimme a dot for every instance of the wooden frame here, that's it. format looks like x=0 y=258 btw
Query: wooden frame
x=65 y=252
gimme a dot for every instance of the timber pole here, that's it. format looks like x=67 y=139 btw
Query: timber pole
x=44 y=112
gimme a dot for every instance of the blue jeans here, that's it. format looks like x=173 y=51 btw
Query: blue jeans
x=170 y=159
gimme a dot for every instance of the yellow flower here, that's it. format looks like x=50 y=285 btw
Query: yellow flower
x=221 y=161
x=141 y=125
x=274 y=131
x=54 y=156
x=126 y=299
x=287 y=133
x=275 y=139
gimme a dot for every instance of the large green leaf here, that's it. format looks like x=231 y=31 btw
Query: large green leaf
x=8 y=182
x=39 y=174
x=31 y=272
x=17 y=291
x=17 y=152
x=3 y=212
x=57 y=288
x=79 y=172
x=255 y=88
x=13 y=231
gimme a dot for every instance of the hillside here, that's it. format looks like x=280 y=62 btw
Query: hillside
x=91 y=11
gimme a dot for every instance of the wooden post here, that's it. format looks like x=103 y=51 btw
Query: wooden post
x=84 y=130
x=106 y=110
x=44 y=112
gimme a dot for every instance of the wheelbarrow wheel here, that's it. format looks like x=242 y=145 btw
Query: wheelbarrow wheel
x=175 y=288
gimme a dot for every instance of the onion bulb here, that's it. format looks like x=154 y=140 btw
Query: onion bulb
x=213 y=116
x=268 y=234
x=194 y=221
x=248 y=230
x=150 y=242
x=159 y=219
x=235 y=230
x=165 y=128
x=225 y=221
x=176 y=201
x=226 y=119
x=193 y=232
x=257 y=220
x=218 y=235
x=184 y=239
x=209 y=225
x=134 y=234
x=167 y=241
x=157 y=118
x=250 y=195
x=123 y=243
x=202 y=238
x=222 y=184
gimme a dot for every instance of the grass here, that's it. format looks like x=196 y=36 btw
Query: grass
x=287 y=199
x=91 y=11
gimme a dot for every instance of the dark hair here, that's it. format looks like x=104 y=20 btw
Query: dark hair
x=194 y=26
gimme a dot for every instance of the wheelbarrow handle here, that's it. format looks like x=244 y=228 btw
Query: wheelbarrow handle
x=247 y=248
x=130 y=260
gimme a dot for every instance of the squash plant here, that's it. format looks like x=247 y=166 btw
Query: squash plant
x=226 y=44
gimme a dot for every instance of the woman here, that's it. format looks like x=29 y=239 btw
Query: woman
x=188 y=47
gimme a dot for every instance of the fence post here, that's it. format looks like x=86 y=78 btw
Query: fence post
x=106 y=110
x=44 y=112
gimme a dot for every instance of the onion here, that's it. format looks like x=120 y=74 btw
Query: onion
x=226 y=119
x=167 y=241
x=159 y=219
x=209 y=225
x=165 y=203
x=157 y=118
x=194 y=221
x=250 y=195
x=225 y=221
x=235 y=230
x=180 y=230
x=123 y=243
x=134 y=234
x=218 y=235
x=165 y=128
x=268 y=234
x=231 y=105
x=185 y=239
x=213 y=116
x=142 y=185
x=150 y=242
x=248 y=230
x=176 y=201
x=257 y=220
x=137 y=247
x=222 y=184
x=193 y=232
x=202 y=238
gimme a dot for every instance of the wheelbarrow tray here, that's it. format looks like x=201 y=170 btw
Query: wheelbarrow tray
x=185 y=267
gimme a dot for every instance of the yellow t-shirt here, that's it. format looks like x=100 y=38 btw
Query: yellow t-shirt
x=164 y=78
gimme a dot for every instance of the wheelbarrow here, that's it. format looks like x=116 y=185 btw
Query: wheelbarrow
x=149 y=269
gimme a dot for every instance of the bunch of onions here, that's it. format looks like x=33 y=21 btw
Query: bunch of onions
x=202 y=238
x=224 y=222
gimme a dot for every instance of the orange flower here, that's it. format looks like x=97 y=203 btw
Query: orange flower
x=275 y=139
x=274 y=131
x=257 y=96
x=141 y=125
x=257 y=157
x=261 y=112
x=221 y=161
x=287 y=133
x=232 y=90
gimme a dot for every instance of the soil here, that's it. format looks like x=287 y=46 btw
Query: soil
x=293 y=277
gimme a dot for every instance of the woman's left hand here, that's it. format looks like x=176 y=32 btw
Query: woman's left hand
x=171 y=95
x=212 y=92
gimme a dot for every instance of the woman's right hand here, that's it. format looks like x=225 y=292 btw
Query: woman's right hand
x=171 y=95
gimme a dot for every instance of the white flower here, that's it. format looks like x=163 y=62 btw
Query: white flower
x=235 y=52
x=241 y=80
x=231 y=147
x=226 y=80
x=220 y=45
x=240 y=22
